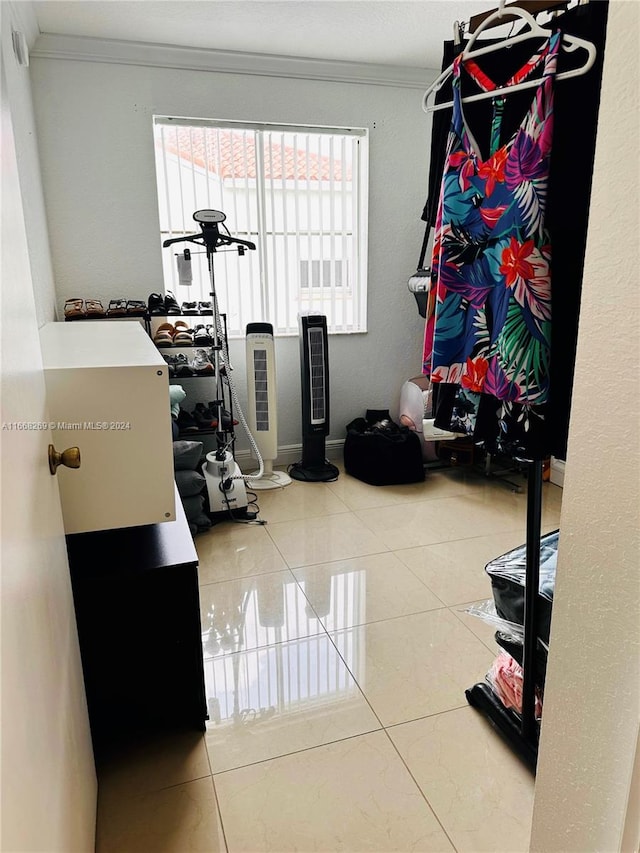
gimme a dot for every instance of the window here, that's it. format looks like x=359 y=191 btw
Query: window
x=331 y=273
x=299 y=193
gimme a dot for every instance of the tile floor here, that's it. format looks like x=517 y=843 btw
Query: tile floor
x=337 y=651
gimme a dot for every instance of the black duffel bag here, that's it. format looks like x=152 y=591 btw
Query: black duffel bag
x=382 y=453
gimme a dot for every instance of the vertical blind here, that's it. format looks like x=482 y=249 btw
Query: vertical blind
x=299 y=193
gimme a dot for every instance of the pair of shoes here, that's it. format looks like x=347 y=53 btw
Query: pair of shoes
x=186 y=422
x=117 y=308
x=227 y=421
x=206 y=417
x=76 y=309
x=203 y=335
x=196 y=307
x=202 y=416
x=179 y=365
x=202 y=363
x=168 y=335
x=124 y=308
x=136 y=307
x=163 y=306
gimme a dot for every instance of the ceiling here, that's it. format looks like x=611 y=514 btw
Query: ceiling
x=386 y=32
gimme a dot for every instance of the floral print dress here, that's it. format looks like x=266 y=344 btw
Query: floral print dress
x=489 y=313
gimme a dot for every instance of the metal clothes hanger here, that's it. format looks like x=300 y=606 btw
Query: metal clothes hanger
x=569 y=43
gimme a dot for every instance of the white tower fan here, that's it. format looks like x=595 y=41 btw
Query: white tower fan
x=262 y=405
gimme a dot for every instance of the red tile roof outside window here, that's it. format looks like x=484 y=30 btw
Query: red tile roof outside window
x=231 y=154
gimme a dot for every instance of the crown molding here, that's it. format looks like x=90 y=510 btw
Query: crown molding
x=121 y=52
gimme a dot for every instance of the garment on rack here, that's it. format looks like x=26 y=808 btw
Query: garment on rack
x=571 y=166
x=489 y=316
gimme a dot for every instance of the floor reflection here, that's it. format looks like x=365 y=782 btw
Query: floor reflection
x=267 y=653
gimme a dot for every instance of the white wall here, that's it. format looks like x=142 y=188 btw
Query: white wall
x=48 y=783
x=94 y=125
x=592 y=698
x=21 y=17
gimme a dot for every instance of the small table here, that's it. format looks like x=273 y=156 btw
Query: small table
x=138 y=614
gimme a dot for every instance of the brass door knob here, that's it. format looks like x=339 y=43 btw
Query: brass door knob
x=70 y=458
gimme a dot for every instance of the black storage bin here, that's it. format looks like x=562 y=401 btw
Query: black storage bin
x=381 y=453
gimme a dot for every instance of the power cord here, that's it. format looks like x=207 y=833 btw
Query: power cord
x=237 y=408
x=230 y=510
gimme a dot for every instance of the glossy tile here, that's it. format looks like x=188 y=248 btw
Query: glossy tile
x=299 y=500
x=180 y=819
x=415 y=665
x=318 y=540
x=359 y=495
x=454 y=571
x=255 y=611
x=478 y=788
x=280 y=699
x=428 y=522
x=229 y=551
x=352 y=796
x=364 y=589
x=299 y=759
x=152 y=762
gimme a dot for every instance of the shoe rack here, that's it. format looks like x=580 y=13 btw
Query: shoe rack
x=179 y=372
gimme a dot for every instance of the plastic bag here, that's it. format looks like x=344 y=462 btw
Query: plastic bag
x=512 y=565
x=508 y=576
x=506 y=679
x=512 y=631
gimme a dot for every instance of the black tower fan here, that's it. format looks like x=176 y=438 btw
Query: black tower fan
x=314 y=374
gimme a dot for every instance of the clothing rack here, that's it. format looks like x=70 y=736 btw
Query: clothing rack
x=522 y=731
x=522 y=734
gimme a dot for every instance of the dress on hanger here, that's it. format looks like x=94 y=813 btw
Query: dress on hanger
x=488 y=328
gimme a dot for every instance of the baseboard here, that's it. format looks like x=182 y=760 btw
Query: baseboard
x=288 y=454
x=557 y=471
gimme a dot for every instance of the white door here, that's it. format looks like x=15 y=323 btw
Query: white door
x=48 y=776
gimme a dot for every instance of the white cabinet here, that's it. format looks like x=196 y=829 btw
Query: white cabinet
x=108 y=394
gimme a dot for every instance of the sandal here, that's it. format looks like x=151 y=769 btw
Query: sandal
x=205 y=307
x=74 y=308
x=189 y=307
x=117 y=308
x=156 y=304
x=163 y=336
x=136 y=307
x=183 y=336
x=95 y=308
